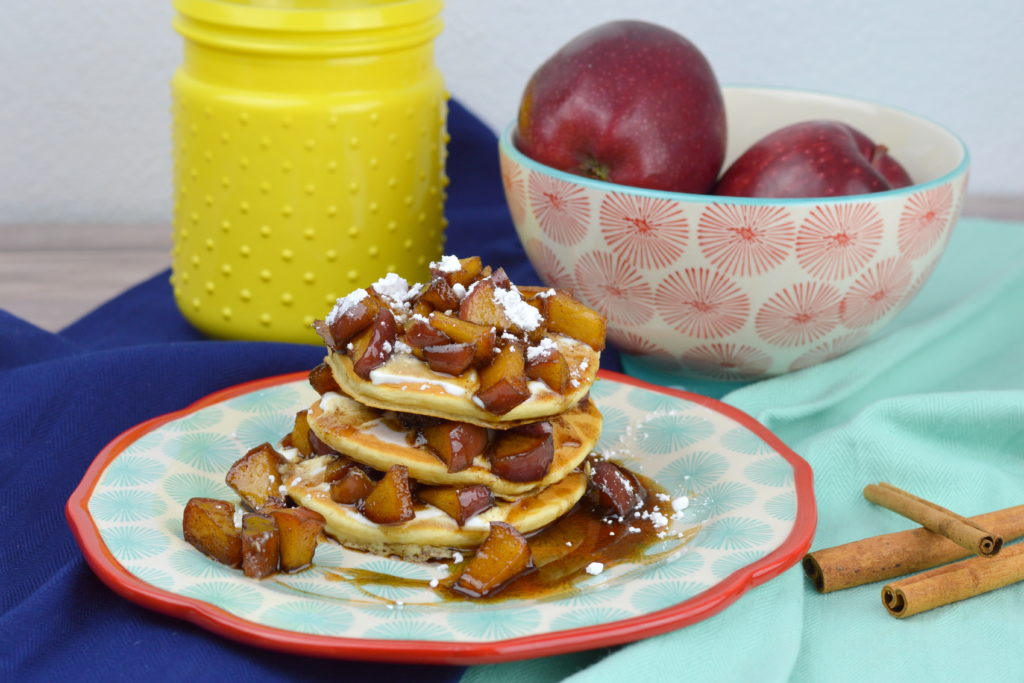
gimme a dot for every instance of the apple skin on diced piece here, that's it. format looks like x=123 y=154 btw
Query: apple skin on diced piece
x=379 y=346
x=420 y=334
x=565 y=315
x=318 y=446
x=539 y=430
x=351 y=487
x=460 y=331
x=459 y=502
x=456 y=443
x=299 y=530
x=350 y=323
x=390 y=502
x=209 y=526
x=503 y=556
x=551 y=368
x=470 y=269
x=615 y=490
x=321 y=378
x=255 y=476
x=500 y=279
x=503 y=383
x=520 y=457
x=261 y=544
x=300 y=434
x=452 y=359
x=438 y=293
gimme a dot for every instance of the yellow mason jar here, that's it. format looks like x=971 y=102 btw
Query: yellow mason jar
x=309 y=147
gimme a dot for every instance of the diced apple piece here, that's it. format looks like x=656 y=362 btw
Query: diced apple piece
x=261 y=545
x=500 y=279
x=540 y=429
x=356 y=318
x=390 y=502
x=460 y=503
x=351 y=487
x=465 y=332
x=209 y=526
x=615 y=489
x=516 y=456
x=450 y=358
x=566 y=315
x=319 y=447
x=379 y=345
x=422 y=308
x=299 y=530
x=255 y=476
x=321 y=378
x=456 y=443
x=300 y=434
x=468 y=271
x=550 y=367
x=503 y=383
x=419 y=333
x=503 y=556
x=480 y=307
x=438 y=293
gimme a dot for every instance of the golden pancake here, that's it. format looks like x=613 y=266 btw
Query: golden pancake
x=432 y=533
x=407 y=384
x=360 y=433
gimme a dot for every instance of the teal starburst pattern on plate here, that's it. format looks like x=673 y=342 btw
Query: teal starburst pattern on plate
x=321 y=588
x=744 y=441
x=410 y=629
x=404 y=570
x=782 y=506
x=692 y=473
x=668 y=432
x=724 y=566
x=144 y=443
x=488 y=623
x=233 y=596
x=309 y=616
x=727 y=495
x=206 y=451
x=199 y=421
x=653 y=401
x=173 y=528
x=134 y=542
x=688 y=562
x=603 y=389
x=181 y=487
x=132 y=470
x=269 y=428
x=193 y=563
x=329 y=555
x=731 y=533
x=281 y=399
x=152 y=576
x=613 y=427
x=665 y=594
x=589 y=616
x=770 y=472
x=589 y=595
x=125 y=505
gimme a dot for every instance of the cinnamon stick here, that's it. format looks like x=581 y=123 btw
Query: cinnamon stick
x=956 y=528
x=904 y=552
x=954 y=582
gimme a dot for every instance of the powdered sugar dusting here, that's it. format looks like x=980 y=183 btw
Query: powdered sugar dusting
x=449 y=263
x=522 y=314
x=543 y=346
x=345 y=304
x=392 y=286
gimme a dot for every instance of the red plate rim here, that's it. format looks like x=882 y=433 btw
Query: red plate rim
x=701 y=606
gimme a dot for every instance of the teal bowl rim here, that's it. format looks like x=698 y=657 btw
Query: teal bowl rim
x=507 y=148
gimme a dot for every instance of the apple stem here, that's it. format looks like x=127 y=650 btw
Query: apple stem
x=878 y=154
x=592 y=169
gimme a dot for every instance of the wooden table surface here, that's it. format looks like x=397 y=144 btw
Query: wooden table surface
x=52 y=274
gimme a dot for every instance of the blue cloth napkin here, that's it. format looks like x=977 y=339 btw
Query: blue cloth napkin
x=64 y=396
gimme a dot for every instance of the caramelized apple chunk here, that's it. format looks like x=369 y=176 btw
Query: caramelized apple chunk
x=419 y=333
x=438 y=293
x=549 y=366
x=351 y=487
x=566 y=315
x=350 y=316
x=483 y=337
x=209 y=526
x=502 y=557
x=299 y=530
x=390 y=502
x=482 y=307
x=375 y=345
x=300 y=434
x=503 y=383
x=255 y=476
x=321 y=378
x=459 y=502
x=319 y=447
x=456 y=443
x=452 y=359
x=523 y=454
x=467 y=272
x=261 y=545
x=614 y=489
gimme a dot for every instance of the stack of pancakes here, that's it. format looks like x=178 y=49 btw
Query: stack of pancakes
x=385 y=398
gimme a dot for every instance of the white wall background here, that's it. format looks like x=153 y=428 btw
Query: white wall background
x=84 y=100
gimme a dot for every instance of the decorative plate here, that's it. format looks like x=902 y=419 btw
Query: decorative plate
x=751 y=496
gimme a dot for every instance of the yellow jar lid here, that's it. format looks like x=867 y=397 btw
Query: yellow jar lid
x=310 y=15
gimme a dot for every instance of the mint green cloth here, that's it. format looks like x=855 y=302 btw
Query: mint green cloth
x=934 y=404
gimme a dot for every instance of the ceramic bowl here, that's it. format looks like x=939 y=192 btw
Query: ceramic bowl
x=739 y=288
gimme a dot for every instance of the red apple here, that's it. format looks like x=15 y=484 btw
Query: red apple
x=628 y=102
x=813 y=159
